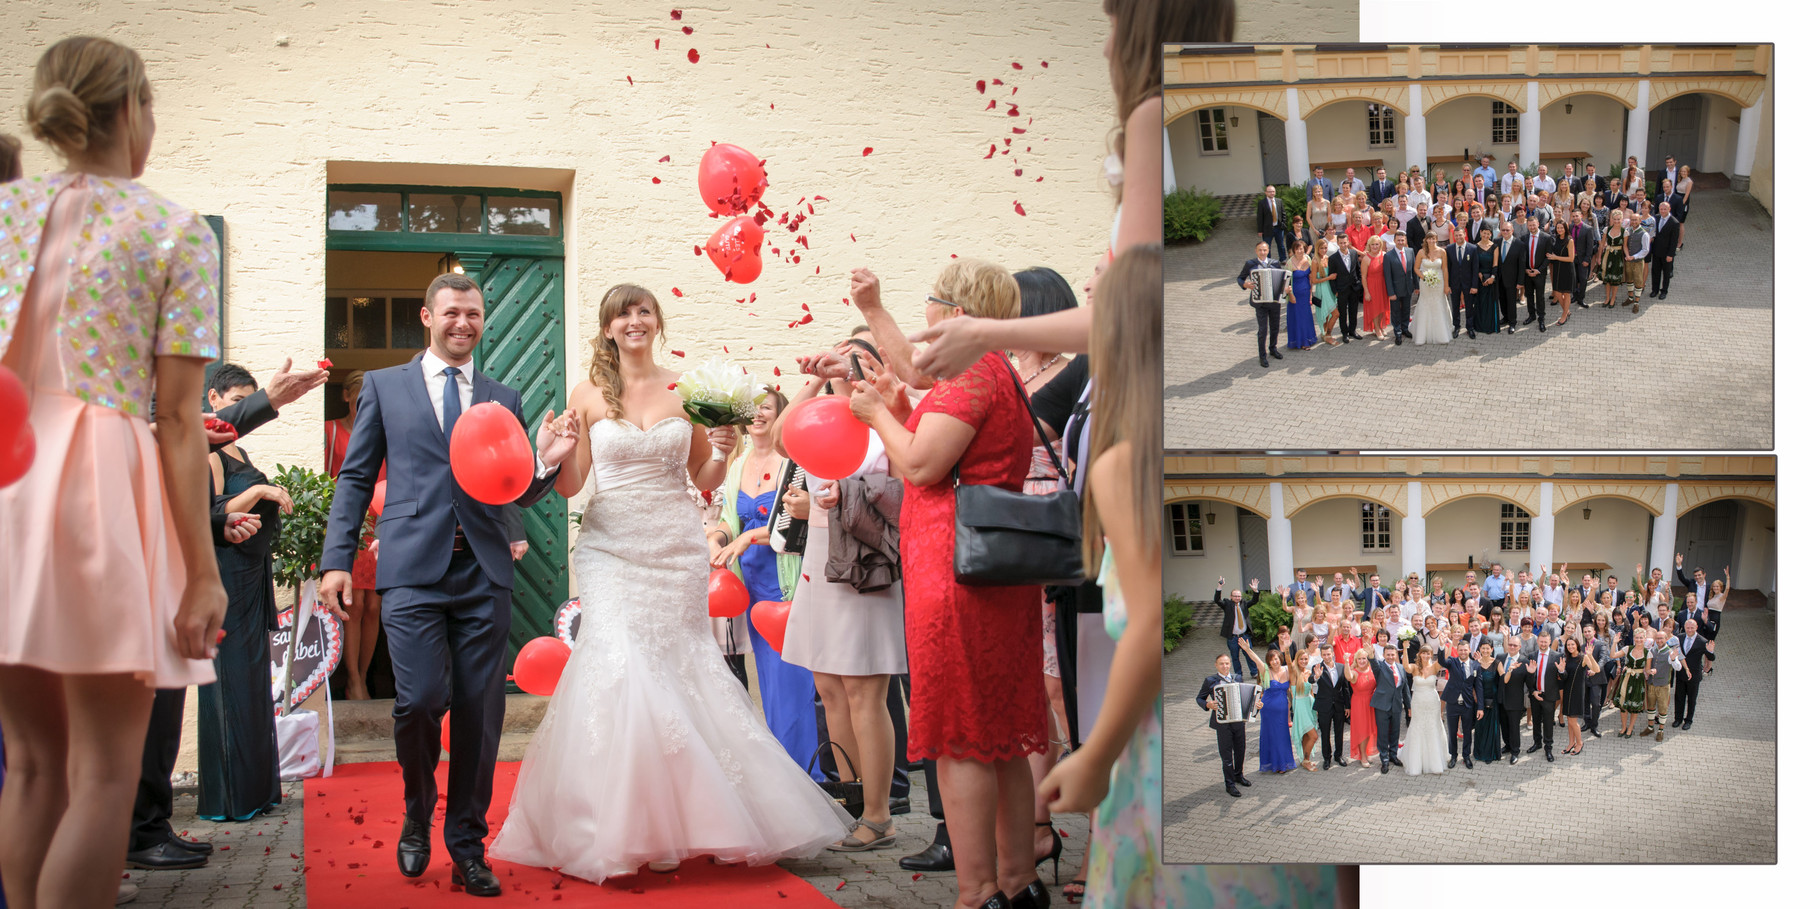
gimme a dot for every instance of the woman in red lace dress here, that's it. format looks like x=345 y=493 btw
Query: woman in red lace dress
x=976 y=653
x=1377 y=299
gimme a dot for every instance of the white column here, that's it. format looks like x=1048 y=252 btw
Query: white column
x=1662 y=541
x=1415 y=130
x=1414 y=529
x=1529 y=127
x=1168 y=164
x=1295 y=134
x=1636 y=139
x=1542 y=533
x=1282 y=542
x=1750 y=122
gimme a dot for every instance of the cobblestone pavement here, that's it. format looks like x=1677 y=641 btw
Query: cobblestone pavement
x=247 y=875
x=1704 y=350
x=1704 y=795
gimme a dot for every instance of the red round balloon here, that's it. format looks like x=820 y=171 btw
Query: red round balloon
x=540 y=664
x=16 y=454
x=770 y=617
x=824 y=437
x=736 y=249
x=727 y=595
x=15 y=404
x=378 y=504
x=490 y=454
x=731 y=179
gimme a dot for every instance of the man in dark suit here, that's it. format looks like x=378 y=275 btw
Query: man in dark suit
x=1231 y=736
x=1693 y=610
x=1586 y=249
x=1269 y=311
x=1380 y=189
x=1696 y=653
x=1387 y=702
x=1510 y=277
x=1543 y=688
x=1234 y=626
x=1461 y=695
x=448 y=576
x=1332 y=701
x=1462 y=274
x=1514 y=699
x=1348 y=286
x=1532 y=259
x=1372 y=598
x=1590 y=180
x=1597 y=683
x=1662 y=251
x=1400 y=284
x=1420 y=226
x=152 y=844
x=1271 y=221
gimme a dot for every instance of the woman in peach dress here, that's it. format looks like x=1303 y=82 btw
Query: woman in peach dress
x=112 y=586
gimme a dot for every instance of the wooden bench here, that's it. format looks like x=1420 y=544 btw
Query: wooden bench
x=1336 y=170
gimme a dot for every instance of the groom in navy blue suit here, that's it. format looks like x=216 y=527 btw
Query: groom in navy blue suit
x=445 y=571
x=1387 y=702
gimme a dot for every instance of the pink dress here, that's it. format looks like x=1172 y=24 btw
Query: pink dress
x=101 y=276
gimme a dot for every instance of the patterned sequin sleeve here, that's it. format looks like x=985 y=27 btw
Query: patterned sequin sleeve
x=189 y=310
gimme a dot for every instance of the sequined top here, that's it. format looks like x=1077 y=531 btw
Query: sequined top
x=142 y=278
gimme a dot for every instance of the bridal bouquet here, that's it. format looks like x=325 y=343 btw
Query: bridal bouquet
x=718 y=393
x=1431 y=277
x=1406 y=634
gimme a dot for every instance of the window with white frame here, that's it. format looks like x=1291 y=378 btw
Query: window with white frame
x=1513 y=529
x=1374 y=527
x=1213 y=130
x=1185 y=528
x=1503 y=124
x=1381 y=125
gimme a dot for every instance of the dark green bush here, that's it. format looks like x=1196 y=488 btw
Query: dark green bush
x=1178 y=618
x=1267 y=615
x=1295 y=202
x=1189 y=214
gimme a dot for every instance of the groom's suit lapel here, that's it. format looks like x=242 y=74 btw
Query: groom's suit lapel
x=419 y=393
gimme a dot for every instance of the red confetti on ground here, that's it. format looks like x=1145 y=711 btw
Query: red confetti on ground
x=676 y=14
x=1017 y=66
x=655 y=180
x=225 y=848
x=694 y=56
x=676 y=290
x=295 y=856
x=268 y=851
x=840 y=885
x=981 y=85
x=277 y=886
x=1018 y=207
x=677 y=353
x=916 y=877
x=688 y=30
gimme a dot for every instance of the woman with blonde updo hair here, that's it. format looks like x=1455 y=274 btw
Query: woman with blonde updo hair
x=978 y=706
x=113 y=587
x=650 y=752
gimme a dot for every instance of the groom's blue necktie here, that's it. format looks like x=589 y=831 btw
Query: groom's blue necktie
x=451 y=400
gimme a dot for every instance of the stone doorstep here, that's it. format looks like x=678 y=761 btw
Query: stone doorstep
x=363 y=729
x=512 y=747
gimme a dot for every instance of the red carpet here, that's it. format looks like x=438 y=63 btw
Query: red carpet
x=351 y=823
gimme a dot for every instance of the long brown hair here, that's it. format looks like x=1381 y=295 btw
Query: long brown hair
x=603 y=370
x=1139 y=28
x=1124 y=355
x=9 y=158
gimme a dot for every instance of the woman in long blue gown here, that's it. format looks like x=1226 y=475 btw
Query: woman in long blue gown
x=1301 y=303
x=1485 y=302
x=1274 y=751
x=1486 y=745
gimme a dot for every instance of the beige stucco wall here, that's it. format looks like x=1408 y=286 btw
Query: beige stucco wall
x=1763 y=172
x=1297 y=20
x=1197 y=576
x=256 y=100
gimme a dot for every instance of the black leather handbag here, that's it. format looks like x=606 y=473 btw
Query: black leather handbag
x=1003 y=537
x=849 y=794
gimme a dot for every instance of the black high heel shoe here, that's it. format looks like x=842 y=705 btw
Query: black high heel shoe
x=997 y=901
x=1054 y=858
x=1035 y=896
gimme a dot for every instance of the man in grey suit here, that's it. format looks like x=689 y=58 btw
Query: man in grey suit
x=445 y=570
x=1319 y=179
x=1400 y=284
x=1387 y=701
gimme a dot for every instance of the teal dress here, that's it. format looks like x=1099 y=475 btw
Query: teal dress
x=1125 y=862
x=1324 y=303
x=1301 y=716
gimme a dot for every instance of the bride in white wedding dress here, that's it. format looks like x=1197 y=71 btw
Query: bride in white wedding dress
x=650 y=751
x=1425 y=744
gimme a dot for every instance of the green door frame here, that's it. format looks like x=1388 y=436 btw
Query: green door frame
x=483 y=256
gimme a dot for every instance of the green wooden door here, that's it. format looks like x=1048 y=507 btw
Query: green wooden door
x=522 y=347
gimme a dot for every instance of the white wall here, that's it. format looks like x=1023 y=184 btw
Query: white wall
x=1468 y=527
x=1466 y=123
x=1617 y=534
x=1196 y=576
x=1327 y=533
x=1239 y=170
x=1596 y=125
x=1719 y=136
x=1337 y=132
x=1753 y=567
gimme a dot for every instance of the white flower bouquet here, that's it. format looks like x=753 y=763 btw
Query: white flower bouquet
x=1431 y=277
x=718 y=393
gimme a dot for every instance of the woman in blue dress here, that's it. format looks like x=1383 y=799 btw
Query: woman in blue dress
x=787 y=691
x=1485 y=302
x=1274 y=751
x=1301 y=298
x=1486 y=745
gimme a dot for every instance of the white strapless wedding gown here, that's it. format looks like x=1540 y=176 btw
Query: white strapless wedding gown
x=650 y=751
x=1432 y=321
x=1425 y=744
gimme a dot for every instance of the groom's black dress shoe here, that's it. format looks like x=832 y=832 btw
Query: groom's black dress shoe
x=166 y=856
x=1263 y=362
x=1396 y=762
x=1275 y=355
x=475 y=877
x=1534 y=748
x=197 y=846
x=1451 y=761
x=1233 y=790
x=1243 y=781
x=1469 y=762
x=414 y=848
x=1513 y=757
x=1383 y=767
x=1551 y=755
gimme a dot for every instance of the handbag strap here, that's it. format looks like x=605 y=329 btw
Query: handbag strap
x=1061 y=469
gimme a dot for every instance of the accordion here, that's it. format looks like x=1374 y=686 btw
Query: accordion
x=1234 y=702
x=1267 y=286
x=788 y=535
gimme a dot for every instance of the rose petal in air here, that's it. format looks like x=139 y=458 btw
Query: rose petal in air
x=663 y=159
x=992 y=104
x=865 y=151
x=628 y=82
x=655 y=180
x=675 y=14
x=1017 y=66
x=694 y=57
x=1018 y=173
x=981 y=85
x=1012 y=112
x=1046 y=66
x=679 y=353
x=688 y=30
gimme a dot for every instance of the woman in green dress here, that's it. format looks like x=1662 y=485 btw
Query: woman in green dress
x=1303 y=731
x=1326 y=305
x=1611 y=262
x=1633 y=684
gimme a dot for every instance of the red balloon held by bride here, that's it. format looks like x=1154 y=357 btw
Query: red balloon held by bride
x=824 y=437
x=490 y=454
x=735 y=249
x=731 y=179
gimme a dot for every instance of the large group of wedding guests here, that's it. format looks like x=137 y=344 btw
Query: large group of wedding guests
x=1425 y=677
x=1425 y=257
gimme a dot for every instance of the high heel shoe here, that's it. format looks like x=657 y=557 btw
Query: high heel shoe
x=1054 y=857
x=997 y=901
x=1035 y=896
